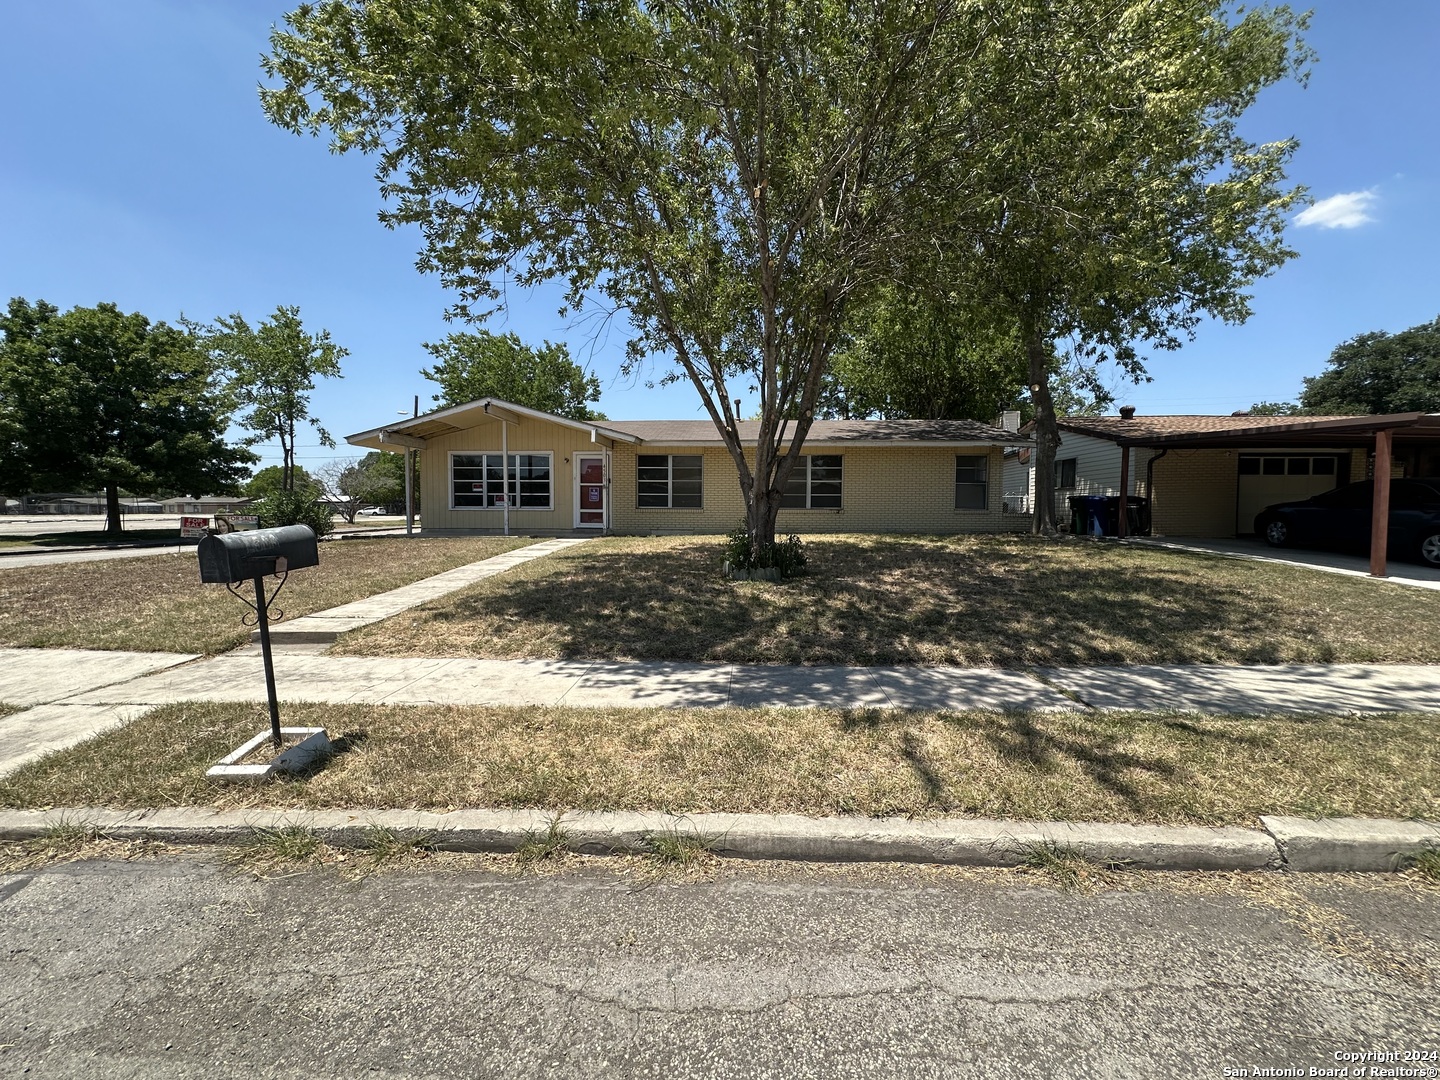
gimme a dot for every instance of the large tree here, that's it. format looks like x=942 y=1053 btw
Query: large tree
x=96 y=398
x=1123 y=205
x=272 y=479
x=916 y=356
x=1379 y=373
x=272 y=370
x=731 y=174
x=476 y=365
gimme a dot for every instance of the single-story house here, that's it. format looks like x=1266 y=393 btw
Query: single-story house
x=491 y=466
x=1208 y=476
x=204 y=504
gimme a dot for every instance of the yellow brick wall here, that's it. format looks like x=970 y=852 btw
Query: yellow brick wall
x=1195 y=490
x=529 y=436
x=899 y=489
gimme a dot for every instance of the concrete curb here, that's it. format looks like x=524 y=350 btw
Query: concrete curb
x=1295 y=844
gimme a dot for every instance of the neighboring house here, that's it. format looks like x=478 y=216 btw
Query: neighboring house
x=489 y=465
x=88 y=503
x=203 y=504
x=1210 y=475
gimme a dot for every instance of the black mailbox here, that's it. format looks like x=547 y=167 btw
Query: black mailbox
x=241 y=556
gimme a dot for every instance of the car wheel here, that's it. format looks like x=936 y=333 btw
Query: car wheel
x=1430 y=549
x=1277 y=533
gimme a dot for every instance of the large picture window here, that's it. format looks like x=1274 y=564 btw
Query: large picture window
x=815 y=483
x=478 y=481
x=972 y=482
x=670 y=480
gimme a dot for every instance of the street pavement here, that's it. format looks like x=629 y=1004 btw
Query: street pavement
x=182 y=967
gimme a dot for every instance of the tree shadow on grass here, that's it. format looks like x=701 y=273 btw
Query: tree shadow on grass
x=888 y=602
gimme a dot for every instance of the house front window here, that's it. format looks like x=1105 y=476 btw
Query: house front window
x=815 y=483
x=1065 y=473
x=479 y=481
x=972 y=482
x=670 y=480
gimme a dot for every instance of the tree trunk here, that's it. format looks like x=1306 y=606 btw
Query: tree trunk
x=112 y=509
x=760 y=518
x=1047 y=436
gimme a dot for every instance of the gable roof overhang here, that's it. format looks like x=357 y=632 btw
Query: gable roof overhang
x=413 y=432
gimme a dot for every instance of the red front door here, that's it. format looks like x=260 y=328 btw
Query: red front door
x=592 y=491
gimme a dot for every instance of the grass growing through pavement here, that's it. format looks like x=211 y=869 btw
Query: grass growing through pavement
x=1043 y=766
x=1006 y=601
x=156 y=603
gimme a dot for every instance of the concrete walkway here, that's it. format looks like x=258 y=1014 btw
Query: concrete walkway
x=1251 y=549
x=72 y=694
x=323 y=627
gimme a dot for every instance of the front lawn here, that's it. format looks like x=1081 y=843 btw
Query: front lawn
x=156 y=602
x=1179 y=769
x=1008 y=601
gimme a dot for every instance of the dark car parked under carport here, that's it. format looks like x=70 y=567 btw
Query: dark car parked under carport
x=1341 y=519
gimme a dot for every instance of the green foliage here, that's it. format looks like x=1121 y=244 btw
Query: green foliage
x=481 y=365
x=272 y=479
x=1275 y=408
x=98 y=398
x=787 y=555
x=731 y=175
x=294 y=508
x=737 y=176
x=272 y=369
x=1121 y=203
x=1378 y=373
x=355 y=484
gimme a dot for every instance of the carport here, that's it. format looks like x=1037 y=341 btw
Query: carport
x=1410 y=440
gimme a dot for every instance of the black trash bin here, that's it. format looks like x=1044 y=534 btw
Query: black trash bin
x=1088 y=516
x=1137 y=514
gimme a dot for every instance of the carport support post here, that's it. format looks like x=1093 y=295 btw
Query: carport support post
x=1380 y=504
x=264 y=618
x=1122 y=528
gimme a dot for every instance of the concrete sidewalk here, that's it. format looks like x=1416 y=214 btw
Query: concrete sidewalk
x=323 y=627
x=72 y=693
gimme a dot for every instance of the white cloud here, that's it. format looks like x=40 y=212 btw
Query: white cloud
x=1347 y=211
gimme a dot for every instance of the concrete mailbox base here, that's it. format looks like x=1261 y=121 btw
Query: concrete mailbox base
x=310 y=743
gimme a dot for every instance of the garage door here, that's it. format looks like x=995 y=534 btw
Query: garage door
x=1274 y=478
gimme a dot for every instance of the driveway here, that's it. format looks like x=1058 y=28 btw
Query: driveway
x=1330 y=562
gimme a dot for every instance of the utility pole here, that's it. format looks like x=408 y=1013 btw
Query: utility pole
x=410 y=479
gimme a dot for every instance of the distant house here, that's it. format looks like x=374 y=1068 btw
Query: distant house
x=204 y=504
x=1210 y=475
x=83 y=503
x=490 y=464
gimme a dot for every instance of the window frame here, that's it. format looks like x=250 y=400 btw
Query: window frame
x=808 y=479
x=1060 y=463
x=669 y=481
x=985 y=485
x=513 y=456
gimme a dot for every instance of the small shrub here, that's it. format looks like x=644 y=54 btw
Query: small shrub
x=787 y=555
x=294 y=508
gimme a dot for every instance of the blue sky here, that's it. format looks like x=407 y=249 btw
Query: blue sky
x=136 y=167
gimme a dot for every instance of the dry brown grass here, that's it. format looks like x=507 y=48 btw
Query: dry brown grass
x=157 y=602
x=1042 y=766
x=1009 y=601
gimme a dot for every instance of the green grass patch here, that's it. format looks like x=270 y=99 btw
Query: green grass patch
x=1006 y=601
x=156 y=603
x=1160 y=768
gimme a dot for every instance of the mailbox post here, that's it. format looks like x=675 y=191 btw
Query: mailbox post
x=254 y=555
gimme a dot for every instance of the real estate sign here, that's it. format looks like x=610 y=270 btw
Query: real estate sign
x=228 y=523
x=194 y=526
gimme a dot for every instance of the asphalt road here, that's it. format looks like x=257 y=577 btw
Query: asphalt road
x=180 y=966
